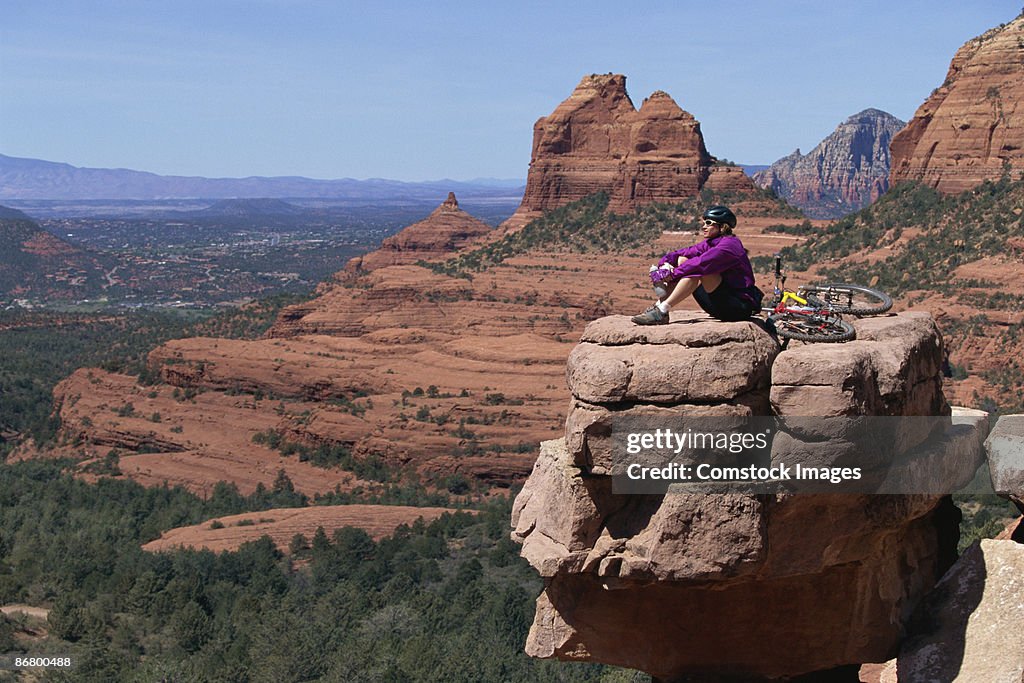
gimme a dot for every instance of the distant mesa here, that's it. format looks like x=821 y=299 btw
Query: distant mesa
x=446 y=230
x=844 y=173
x=972 y=126
x=250 y=207
x=596 y=141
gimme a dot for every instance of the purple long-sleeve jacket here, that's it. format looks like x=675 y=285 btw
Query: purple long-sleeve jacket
x=724 y=255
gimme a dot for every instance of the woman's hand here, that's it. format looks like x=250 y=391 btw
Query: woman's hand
x=662 y=272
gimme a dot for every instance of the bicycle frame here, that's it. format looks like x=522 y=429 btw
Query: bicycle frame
x=803 y=307
x=783 y=295
x=787 y=296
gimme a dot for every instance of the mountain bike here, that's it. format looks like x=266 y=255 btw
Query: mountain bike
x=814 y=312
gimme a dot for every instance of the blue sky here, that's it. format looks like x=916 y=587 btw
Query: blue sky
x=427 y=90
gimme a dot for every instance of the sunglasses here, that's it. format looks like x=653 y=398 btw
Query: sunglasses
x=708 y=223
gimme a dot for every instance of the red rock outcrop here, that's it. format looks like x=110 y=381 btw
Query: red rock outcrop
x=164 y=437
x=446 y=230
x=596 y=141
x=736 y=586
x=972 y=126
x=845 y=172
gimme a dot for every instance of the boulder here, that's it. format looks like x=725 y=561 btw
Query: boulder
x=892 y=368
x=667 y=374
x=694 y=367
x=555 y=516
x=669 y=582
x=693 y=359
x=971 y=626
x=589 y=428
x=1005 y=448
x=947 y=461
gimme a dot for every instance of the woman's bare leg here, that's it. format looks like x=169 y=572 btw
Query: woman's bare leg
x=688 y=285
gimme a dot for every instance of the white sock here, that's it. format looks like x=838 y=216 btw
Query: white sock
x=663 y=307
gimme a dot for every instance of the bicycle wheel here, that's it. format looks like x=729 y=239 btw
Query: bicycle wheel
x=812 y=328
x=853 y=299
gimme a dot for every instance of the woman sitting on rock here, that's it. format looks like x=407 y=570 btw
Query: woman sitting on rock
x=716 y=272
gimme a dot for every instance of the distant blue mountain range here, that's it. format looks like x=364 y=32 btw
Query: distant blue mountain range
x=36 y=179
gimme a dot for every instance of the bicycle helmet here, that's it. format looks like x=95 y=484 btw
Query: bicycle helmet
x=720 y=214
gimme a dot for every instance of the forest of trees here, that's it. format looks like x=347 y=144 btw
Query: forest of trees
x=450 y=600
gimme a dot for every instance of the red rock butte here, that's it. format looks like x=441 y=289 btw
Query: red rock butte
x=447 y=229
x=969 y=128
x=596 y=140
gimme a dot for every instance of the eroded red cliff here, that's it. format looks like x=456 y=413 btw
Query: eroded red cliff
x=443 y=374
x=972 y=126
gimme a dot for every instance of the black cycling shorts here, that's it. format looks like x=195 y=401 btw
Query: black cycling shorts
x=724 y=303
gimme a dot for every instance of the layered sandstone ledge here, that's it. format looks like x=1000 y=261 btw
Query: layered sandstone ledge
x=1005 y=449
x=343 y=370
x=734 y=585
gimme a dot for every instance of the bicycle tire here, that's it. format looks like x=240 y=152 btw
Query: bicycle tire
x=825 y=330
x=852 y=299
